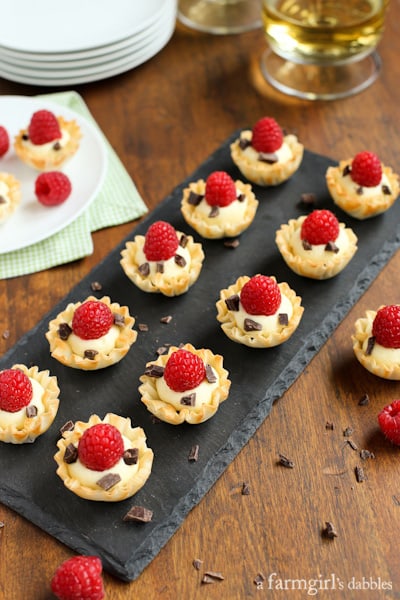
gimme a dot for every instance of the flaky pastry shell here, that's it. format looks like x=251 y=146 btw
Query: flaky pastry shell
x=161 y=282
x=207 y=227
x=54 y=158
x=257 y=339
x=122 y=490
x=35 y=426
x=262 y=173
x=61 y=350
x=361 y=206
x=363 y=331
x=191 y=414
x=332 y=263
x=14 y=196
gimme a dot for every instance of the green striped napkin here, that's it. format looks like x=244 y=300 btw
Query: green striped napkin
x=117 y=202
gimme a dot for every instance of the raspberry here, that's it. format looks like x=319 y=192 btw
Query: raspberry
x=4 y=141
x=92 y=319
x=52 y=188
x=260 y=295
x=79 y=578
x=386 y=326
x=100 y=447
x=366 y=169
x=184 y=371
x=320 y=227
x=267 y=135
x=220 y=189
x=161 y=241
x=43 y=128
x=15 y=390
x=389 y=421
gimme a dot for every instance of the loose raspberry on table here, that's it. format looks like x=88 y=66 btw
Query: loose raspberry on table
x=92 y=319
x=44 y=128
x=161 y=241
x=79 y=578
x=15 y=390
x=389 y=421
x=100 y=447
x=184 y=371
x=366 y=169
x=320 y=227
x=260 y=295
x=4 y=141
x=220 y=189
x=267 y=135
x=52 y=188
x=386 y=326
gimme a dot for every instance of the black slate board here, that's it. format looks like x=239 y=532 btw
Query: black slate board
x=28 y=482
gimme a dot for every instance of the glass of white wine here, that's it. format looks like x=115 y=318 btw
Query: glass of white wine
x=322 y=49
x=220 y=16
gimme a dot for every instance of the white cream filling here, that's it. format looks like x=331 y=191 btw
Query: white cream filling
x=269 y=323
x=317 y=251
x=44 y=149
x=232 y=213
x=382 y=354
x=203 y=393
x=103 y=344
x=171 y=269
x=4 y=193
x=89 y=477
x=18 y=418
x=351 y=187
x=283 y=154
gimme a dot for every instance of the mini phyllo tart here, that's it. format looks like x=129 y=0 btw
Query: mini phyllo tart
x=29 y=401
x=259 y=312
x=91 y=335
x=187 y=384
x=165 y=260
x=219 y=207
x=103 y=459
x=265 y=155
x=376 y=341
x=363 y=187
x=317 y=245
x=48 y=141
x=10 y=195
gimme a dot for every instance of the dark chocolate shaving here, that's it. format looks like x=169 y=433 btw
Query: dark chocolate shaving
x=90 y=354
x=119 y=320
x=364 y=400
x=214 y=212
x=360 y=475
x=346 y=170
x=96 y=286
x=245 y=489
x=285 y=462
x=179 y=260
x=183 y=240
x=68 y=426
x=283 y=319
x=57 y=146
x=154 y=370
x=268 y=157
x=143 y=327
x=241 y=197
x=329 y=531
x=139 y=514
x=306 y=245
x=195 y=199
x=366 y=454
x=231 y=243
x=160 y=267
x=31 y=411
x=194 y=453
x=370 y=345
x=144 y=269
x=64 y=331
x=360 y=191
x=189 y=400
x=70 y=454
x=244 y=143
x=197 y=563
x=331 y=247
x=250 y=325
x=308 y=199
x=130 y=456
x=386 y=190
x=167 y=319
x=210 y=374
x=108 y=481
x=232 y=303
x=2 y=200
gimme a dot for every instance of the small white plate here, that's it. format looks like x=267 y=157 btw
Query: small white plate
x=32 y=222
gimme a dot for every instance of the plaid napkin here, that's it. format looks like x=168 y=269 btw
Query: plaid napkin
x=75 y=240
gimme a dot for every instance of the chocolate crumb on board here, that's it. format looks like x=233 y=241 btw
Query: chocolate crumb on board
x=365 y=454
x=348 y=431
x=352 y=444
x=308 y=199
x=6 y=334
x=212 y=577
x=197 y=563
x=360 y=475
x=96 y=286
x=364 y=400
x=329 y=530
x=143 y=327
x=167 y=319
x=231 y=243
x=259 y=578
x=68 y=426
x=245 y=489
x=194 y=453
x=139 y=514
x=285 y=462
x=329 y=425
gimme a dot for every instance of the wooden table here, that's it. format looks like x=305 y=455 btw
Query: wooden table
x=164 y=118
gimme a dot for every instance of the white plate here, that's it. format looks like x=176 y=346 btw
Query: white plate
x=33 y=222
x=41 y=27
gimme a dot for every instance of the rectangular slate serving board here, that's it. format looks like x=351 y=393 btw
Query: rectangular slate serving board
x=28 y=482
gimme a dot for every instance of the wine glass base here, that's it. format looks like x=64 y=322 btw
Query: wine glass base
x=220 y=16
x=320 y=82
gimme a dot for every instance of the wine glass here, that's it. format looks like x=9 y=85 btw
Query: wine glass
x=220 y=16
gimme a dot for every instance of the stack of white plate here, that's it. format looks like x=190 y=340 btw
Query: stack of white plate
x=52 y=44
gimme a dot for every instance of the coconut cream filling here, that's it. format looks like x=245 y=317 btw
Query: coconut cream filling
x=17 y=419
x=103 y=344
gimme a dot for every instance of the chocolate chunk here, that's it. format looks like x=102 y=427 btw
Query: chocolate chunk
x=131 y=456
x=329 y=425
x=197 y=563
x=231 y=243
x=360 y=191
x=108 y=481
x=183 y=240
x=195 y=199
x=31 y=411
x=90 y=354
x=210 y=374
x=232 y=303
x=143 y=327
x=2 y=200
x=283 y=319
x=268 y=157
x=25 y=137
x=214 y=212
x=160 y=267
x=329 y=531
x=347 y=432
x=250 y=325
x=70 y=454
x=352 y=444
x=212 y=577
x=194 y=453
x=161 y=350
x=308 y=199
x=68 y=426
x=259 y=578
x=241 y=197
x=154 y=370
x=244 y=143
x=140 y=514
x=331 y=247
x=370 y=345
x=167 y=319
x=6 y=334
x=179 y=260
x=364 y=400
x=306 y=245
x=346 y=170
x=64 y=331
x=57 y=146
x=96 y=286
x=285 y=462
x=189 y=400
x=365 y=454
x=119 y=320
x=386 y=190
x=144 y=269
x=245 y=489
x=360 y=475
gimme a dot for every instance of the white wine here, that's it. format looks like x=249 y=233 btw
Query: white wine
x=323 y=31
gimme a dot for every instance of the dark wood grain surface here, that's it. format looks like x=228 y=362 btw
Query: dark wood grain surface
x=163 y=119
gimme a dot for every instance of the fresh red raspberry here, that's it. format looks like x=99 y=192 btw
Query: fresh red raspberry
x=366 y=169
x=4 y=141
x=260 y=295
x=79 y=578
x=320 y=227
x=52 y=188
x=220 y=189
x=15 y=390
x=161 y=241
x=44 y=128
x=100 y=447
x=267 y=135
x=92 y=319
x=184 y=371
x=389 y=421
x=386 y=326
